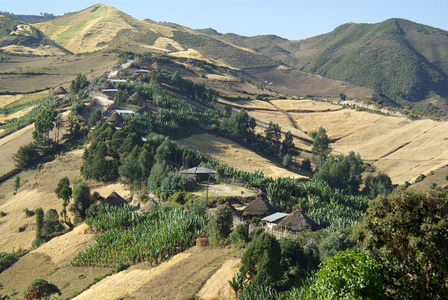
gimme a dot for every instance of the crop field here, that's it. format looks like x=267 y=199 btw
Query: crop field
x=27 y=74
x=305 y=105
x=181 y=276
x=397 y=146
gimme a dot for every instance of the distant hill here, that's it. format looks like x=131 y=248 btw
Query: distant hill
x=15 y=32
x=397 y=57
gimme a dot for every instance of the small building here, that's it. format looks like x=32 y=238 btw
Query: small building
x=58 y=92
x=259 y=208
x=297 y=221
x=148 y=206
x=199 y=173
x=116 y=119
x=114 y=199
x=274 y=219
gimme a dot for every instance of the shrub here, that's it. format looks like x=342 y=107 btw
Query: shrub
x=240 y=236
x=41 y=289
x=6 y=260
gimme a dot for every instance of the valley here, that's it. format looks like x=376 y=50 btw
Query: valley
x=138 y=180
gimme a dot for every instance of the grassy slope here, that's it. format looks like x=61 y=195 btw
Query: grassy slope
x=397 y=57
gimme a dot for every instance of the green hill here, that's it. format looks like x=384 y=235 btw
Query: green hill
x=399 y=58
x=15 y=32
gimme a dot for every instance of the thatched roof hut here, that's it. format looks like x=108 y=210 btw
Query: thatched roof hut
x=106 y=85
x=298 y=221
x=60 y=91
x=136 y=97
x=259 y=208
x=114 y=200
x=148 y=206
x=115 y=118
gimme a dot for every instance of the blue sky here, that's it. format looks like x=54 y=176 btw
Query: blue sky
x=292 y=19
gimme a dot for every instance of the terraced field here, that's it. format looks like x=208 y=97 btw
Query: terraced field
x=400 y=147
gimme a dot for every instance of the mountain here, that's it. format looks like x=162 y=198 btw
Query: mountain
x=100 y=26
x=397 y=57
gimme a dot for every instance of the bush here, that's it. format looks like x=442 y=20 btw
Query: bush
x=41 y=289
x=336 y=241
x=221 y=224
x=240 y=236
x=6 y=260
x=350 y=274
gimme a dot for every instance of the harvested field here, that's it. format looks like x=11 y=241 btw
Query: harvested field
x=54 y=268
x=305 y=105
x=218 y=287
x=249 y=104
x=227 y=152
x=397 y=146
x=10 y=144
x=181 y=276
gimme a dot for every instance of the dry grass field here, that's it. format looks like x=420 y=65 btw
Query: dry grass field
x=26 y=74
x=178 y=278
x=397 y=146
x=232 y=154
x=305 y=105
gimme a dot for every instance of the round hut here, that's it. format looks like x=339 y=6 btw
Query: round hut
x=114 y=199
x=148 y=206
x=259 y=208
x=298 y=221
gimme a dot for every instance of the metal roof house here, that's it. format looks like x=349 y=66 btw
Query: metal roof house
x=274 y=219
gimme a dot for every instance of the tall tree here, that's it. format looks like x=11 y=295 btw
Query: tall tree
x=44 y=124
x=64 y=192
x=288 y=146
x=79 y=83
x=406 y=232
x=321 y=148
x=261 y=260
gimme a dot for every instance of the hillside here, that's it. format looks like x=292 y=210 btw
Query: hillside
x=397 y=57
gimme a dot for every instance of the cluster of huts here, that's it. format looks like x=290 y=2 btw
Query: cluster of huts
x=271 y=217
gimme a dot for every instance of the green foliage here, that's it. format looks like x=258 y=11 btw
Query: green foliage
x=44 y=123
x=221 y=224
x=41 y=289
x=273 y=132
x=336 y=241
x=288 y=147
x=82 y=201
x=6 y=260
x=261 y=260
x=95 y=117
x=406 y=232
x=343 y=172
x=381 y=184
x=51 y=224
x=79 y=84
x=136 y=167
x=63 y=191
x=321 y=148
x=350 y=274
x=154 y=236
x=240 y=236
x=39 y=240
x=16 y=184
